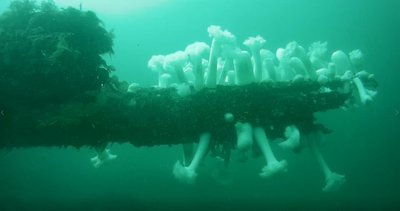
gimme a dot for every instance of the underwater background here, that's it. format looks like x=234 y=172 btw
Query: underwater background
x=364 y=144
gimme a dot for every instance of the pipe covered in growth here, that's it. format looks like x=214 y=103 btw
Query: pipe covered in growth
x=153 y=116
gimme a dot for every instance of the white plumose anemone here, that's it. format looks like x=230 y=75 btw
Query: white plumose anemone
x=255 y=44
x=219 y=37
x=102 y=157
x=244 y=133
x=333 y=181
x=341 y=61
x=292 y=135
x=188 y=174
x=273 y=166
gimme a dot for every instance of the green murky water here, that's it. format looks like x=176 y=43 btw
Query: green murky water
x=364 y=144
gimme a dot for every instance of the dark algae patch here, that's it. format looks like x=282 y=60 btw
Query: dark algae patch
x=50 y=55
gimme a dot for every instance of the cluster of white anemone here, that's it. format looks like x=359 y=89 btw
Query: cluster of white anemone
x=224 y=62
